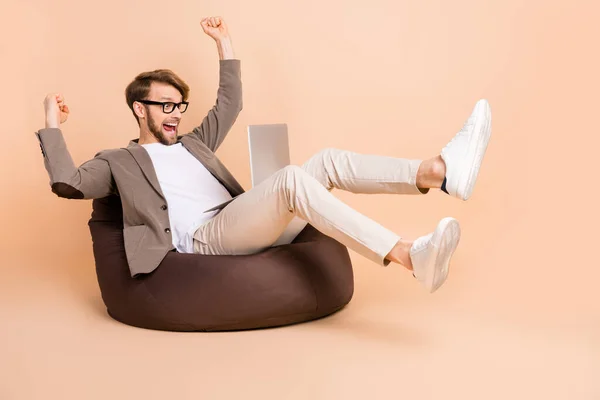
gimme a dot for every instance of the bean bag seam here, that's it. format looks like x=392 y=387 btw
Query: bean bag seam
x=260 y=322
x=314 y=291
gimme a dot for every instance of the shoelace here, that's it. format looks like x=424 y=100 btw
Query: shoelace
x=466 y=127
x=421 y=243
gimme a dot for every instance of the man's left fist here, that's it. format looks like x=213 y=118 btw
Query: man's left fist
x=215 y=27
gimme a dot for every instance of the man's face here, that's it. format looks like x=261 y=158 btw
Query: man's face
x=163 y=126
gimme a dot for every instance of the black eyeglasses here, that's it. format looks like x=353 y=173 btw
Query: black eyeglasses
x=168 y=107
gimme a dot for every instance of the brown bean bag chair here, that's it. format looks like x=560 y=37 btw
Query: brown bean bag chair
x=307 y=279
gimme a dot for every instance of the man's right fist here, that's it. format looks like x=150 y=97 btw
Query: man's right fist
x=57 y=111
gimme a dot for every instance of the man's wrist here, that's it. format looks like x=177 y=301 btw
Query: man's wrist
x=225 y=48
x=51 y=124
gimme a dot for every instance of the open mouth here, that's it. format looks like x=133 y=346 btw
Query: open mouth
x=170 y=127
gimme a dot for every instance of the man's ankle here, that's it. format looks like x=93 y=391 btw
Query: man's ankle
x=400 y=254
x=431 y=173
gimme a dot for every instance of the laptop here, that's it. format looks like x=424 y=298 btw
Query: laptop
x=269 y=149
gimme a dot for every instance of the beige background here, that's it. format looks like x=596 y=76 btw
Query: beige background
x=519 y=317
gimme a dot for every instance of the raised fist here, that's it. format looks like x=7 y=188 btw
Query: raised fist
x=57 y=111
x=215 y=27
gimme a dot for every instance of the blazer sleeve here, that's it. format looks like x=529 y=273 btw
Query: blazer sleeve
x=222 y=116
x=92 y=180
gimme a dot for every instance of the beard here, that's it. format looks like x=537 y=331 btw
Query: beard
x=156 y=131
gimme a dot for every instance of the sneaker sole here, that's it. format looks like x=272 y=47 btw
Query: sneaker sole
x=477 y=148
x=444 y=241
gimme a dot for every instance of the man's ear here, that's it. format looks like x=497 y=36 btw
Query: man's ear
x=139 y=109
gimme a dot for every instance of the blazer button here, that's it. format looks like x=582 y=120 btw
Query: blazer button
x=163 y=207
x=167 y=230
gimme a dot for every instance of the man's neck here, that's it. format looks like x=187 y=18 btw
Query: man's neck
x=146 y=138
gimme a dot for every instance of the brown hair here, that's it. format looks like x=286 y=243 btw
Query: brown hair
x=139 y=88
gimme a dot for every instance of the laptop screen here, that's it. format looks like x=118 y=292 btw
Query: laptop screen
x=269 y=150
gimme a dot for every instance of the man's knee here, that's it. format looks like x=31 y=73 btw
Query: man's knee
x=294 y=175
x=293 y=171
x=322 y=159
x=326 y=153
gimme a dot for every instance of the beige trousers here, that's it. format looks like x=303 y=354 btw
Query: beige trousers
x=255 y=219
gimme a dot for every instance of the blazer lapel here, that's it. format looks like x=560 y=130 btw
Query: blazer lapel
x=206 y=158
x=145 y=162
x=201 y=155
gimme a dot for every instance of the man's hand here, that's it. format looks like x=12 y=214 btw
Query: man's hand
x=57 y=111
x=215 y=28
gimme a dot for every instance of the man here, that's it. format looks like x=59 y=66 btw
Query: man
x=167 y=181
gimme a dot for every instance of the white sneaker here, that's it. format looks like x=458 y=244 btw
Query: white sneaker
x=464 y=153
x=431 y=254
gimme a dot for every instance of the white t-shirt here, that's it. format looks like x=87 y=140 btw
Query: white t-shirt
x=189 y=188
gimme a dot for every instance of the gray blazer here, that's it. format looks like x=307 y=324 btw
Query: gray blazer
x=129 y=173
